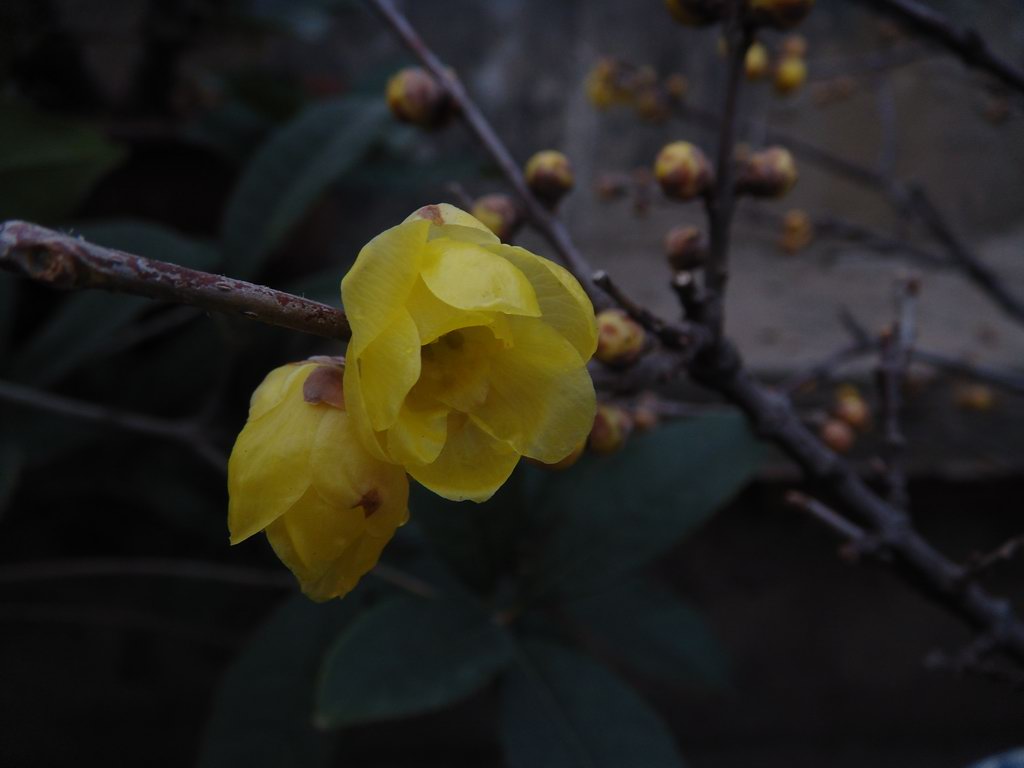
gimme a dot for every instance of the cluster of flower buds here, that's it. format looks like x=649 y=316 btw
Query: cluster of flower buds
x=615 y=83
x=499 y=213
x=415 y=97
x=683 y=171
x=620 y=338
x=770 y=172
x=549 y=176
x=685 y=248
x=797 y=231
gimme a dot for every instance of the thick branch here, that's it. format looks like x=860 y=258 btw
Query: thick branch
x=965 y=42
x=70 y=263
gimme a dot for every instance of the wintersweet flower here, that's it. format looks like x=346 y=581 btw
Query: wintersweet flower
x=299 y=472
x=465 y=354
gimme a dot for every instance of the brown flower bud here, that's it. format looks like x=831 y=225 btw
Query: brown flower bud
x=676 y=86
x=852 y=408
x=499 y=213
x=837 y=435
x=755 y=65
x=797 y=231
x=645 y=413
x=781 y=14
x=769 y=173
x=684 y=248
x=696 y=13
x=416 y=97
x=549 y=175
x=612 y=426
x=790 y=74
x=793 y=45
x=603 y=87
x=683 y=170
x=620 y=339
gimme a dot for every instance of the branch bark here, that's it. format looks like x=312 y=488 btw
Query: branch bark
x=70 y=263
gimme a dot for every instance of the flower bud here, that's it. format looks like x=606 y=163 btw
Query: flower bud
x=768 y=173
x=499 y=213
x=549 y=175
x=684 y=248
x=414 y=96
x=299 y=472
x=676 y=86
x=781 y=14
x=612 y=426
x=602 y=85
x=645 y=413
x=974 y=397
x=797 y=231
x=793 y=45
x=851 y=408
x=683 y=170
x=790 y=74
x=620 y=339
x=837 y=435
x=695 y=13
x=755 y=65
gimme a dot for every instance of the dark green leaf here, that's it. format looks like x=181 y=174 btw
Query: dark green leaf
x=653 y=631
x=48 y=163
x=615 y=513
x=84 y=322
x=232 y=130
x=562 y=710
x=289 y=172
x=263 y=711
x=408 y=656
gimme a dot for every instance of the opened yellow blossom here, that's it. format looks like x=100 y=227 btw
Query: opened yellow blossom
x=465 y=354
x=299 y=472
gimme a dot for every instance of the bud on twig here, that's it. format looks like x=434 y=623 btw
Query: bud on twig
x=755 y=65
x=696 y=13
x=852 y=408
x=416 y=97
x=499 y=213
x=797 y=231
x=612 y=426
x=549 y=175
x=837 y=435
x=684 y=248
x=790 y=74
x=620 y=339
x=781 y=14
x=769 y=173
x=683 y=171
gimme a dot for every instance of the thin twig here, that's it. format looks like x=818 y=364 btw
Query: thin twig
x=965 y=42
x=66 y=262
x=980 y=563
x=183 y=432
x=826 y=515
x=672 y=335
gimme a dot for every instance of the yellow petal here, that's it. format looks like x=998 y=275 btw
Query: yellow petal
x=388 y=368
x=274 y=388
x=442 y=216
x=434 y=318
x=419 y=434
x=473 y=465
x=541 y=397
x=355 y=405
x=564 y=304
x=470 y=277
x=269 y=468
x=381 y=279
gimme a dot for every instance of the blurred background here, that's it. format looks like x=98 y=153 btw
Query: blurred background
x=251 y=138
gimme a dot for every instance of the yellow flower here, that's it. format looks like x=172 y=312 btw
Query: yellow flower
x=299 y=472
x=465 y=354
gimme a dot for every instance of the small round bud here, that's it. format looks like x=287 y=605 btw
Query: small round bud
x=797 y=231
x=781 y=14
x=837 y=435
x=851 y=408
x=695 y=13
x=565 y=463
x=611 y=429
x=793 y=45
x=769 y=173
x=602 y=85
x=416 y=97
x=676 y=86
x=620 y=339
x=682 y=170
x=684 y=248
x=790 y=74
x=645 y=413
x=755 y=65
x=974 y=397
x=499 y=213
x=549 y=175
